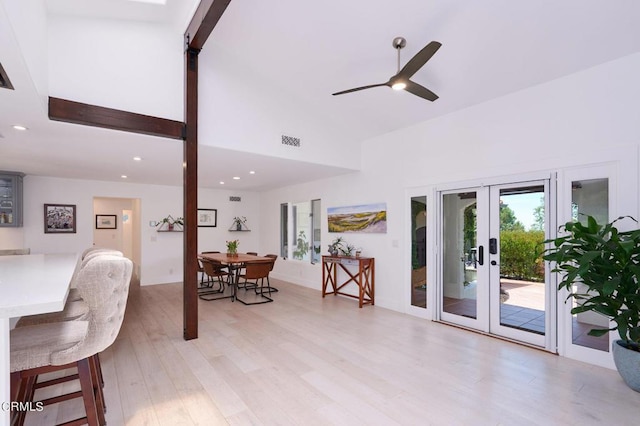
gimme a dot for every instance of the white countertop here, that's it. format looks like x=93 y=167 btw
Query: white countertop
x=36 y=283
x=29 y=284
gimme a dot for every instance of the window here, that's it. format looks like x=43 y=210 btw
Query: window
x=300 y=231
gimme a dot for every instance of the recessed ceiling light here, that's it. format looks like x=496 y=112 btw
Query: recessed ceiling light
x=137 y=158
x=236 y=178
x=123 y=176
x=19 y=127
x=221 y=183
x=252 y=172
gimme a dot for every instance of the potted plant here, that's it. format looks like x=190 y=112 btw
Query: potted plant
x=347 y=249
x=601 y=269
x=170 y=222
x=335 y=246
x=232 y=247
x=239 y=222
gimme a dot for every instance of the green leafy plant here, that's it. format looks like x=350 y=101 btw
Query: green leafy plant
x=601 y=266
x=519 y=255
x=302 y=246
x=347 y=249
x=232 y=246
x=335 y=246
x=170 y=222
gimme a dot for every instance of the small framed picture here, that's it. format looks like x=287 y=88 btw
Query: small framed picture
x=59 y=219
x=106 y=221
x=207 y=218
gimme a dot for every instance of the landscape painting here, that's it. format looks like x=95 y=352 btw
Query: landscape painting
x=368 y=218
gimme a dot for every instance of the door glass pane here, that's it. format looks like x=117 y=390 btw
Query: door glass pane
x=459 y=254
x=284 y=221
x=301 y=230
x=419 y=251
x=316 y=233
x=522 y=277
x=589 y=198
x=6 y=200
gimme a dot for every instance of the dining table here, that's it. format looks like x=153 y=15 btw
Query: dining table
x=29 y=284
x=234 y=262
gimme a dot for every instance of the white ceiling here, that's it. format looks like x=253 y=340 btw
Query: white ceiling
x=312 y=49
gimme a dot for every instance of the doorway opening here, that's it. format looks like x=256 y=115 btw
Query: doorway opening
x=122 y=230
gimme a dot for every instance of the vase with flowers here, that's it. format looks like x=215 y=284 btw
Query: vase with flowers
x=232 y=248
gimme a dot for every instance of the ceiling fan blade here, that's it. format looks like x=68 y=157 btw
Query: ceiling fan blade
x=419 y=60
x=421 y=91
x=360 y=88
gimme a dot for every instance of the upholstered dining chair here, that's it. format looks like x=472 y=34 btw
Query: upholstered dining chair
x=257 y=271
x=215 y=273
x=203 y=275
x=103 y=283
x=274 y=257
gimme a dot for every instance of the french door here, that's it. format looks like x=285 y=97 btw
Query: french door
x=491 y=275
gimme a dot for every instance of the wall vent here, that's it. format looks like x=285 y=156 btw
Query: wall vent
x=5 y=83
x=291 y=141
x=235 y=198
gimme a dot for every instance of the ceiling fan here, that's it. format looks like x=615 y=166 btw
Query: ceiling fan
x=401 y=80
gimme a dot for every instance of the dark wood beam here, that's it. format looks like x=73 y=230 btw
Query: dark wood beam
x=204 y=21
x=202 y=24
x=190 y=202
x=114 y=119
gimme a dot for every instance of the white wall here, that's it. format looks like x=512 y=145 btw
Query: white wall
x=95 y=61
x=587 y=117
x=161 y=260
x=253 y=117
x=111 y=238
x=29 y=22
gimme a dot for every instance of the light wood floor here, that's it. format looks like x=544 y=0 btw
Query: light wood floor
x=303 y=360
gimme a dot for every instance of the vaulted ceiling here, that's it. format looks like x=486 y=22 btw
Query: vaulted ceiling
x=309 y=50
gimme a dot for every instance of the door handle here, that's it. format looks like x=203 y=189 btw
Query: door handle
x=493 y=246
x=481 y=255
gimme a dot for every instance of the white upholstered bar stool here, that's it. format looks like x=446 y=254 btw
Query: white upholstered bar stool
x=75 y=308
x=103 y=283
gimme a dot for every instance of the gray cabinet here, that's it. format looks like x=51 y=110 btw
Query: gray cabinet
x=10 y=199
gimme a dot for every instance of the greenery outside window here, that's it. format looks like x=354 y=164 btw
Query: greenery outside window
x=300 y=231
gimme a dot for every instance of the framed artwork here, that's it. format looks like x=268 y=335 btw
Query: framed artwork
x=59 y=219
x=106 y=221
x=207 y=218
x=367 y=218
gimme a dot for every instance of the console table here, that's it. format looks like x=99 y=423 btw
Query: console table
x=364 y=277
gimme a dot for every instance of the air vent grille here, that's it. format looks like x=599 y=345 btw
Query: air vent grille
x=291 y=141
x=235 y=199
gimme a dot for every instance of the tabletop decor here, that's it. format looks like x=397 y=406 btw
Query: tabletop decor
x=232 y=247
x=239 y=222
x=59 y=218
x=170 y=224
